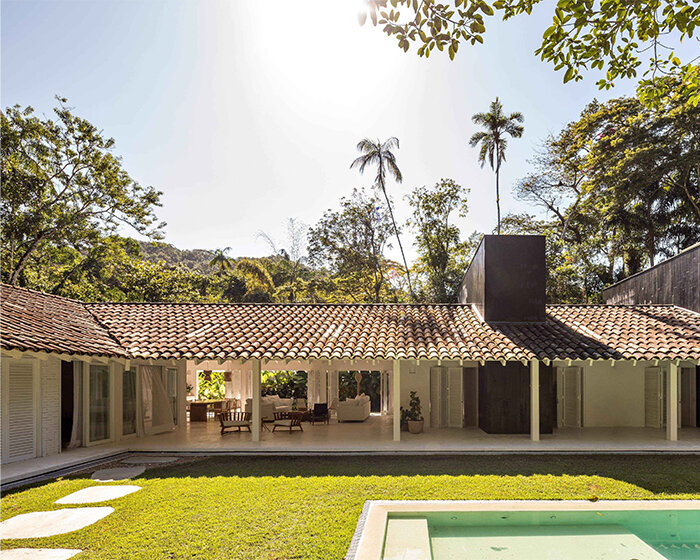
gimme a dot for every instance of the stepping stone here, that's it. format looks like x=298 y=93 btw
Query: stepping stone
x=118 y=473
x=97 y=494
x=49 y=523
x=148 y=460
x=38 y=553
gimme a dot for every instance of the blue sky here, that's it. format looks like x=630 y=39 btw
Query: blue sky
x=245 y=113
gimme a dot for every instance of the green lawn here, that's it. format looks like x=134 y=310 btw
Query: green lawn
x=275 y=508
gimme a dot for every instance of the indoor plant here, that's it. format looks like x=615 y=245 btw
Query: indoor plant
x=415 y=415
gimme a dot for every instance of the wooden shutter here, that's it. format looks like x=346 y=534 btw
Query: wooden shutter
x=21 y=411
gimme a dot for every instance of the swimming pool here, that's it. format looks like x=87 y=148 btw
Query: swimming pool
x=542 y=530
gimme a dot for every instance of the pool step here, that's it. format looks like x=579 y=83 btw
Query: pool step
x=563 y=542
x=407 y=539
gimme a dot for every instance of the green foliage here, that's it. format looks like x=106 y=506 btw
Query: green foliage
x=62 y=187
x=228 y=507
x=286 y=384
x=212 y=385
x=220 y=260
x=493 y=141
x=609 y=35
x=414 y=412
x=441 y=254
x=620 y=188
x=350 y=243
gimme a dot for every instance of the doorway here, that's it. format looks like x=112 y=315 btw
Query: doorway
x=689 y=397
x=67 y=402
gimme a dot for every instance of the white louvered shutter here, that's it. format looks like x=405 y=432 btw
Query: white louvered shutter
x=572 y=397
x=435 y=397
x=653 y=395
x=455 y=416
x=21 y=413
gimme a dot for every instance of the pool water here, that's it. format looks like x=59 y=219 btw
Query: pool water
x=544 y=535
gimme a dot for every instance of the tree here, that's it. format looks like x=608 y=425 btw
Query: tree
x=63 y=186
x=290 y=273
x=220 y=260
x=350 y=243
x=493 y=141
x=621 y=184
x=379 y=153
x=441 y=254
x=608 y=35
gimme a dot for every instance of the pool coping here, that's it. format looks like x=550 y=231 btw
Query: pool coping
x=368 y=541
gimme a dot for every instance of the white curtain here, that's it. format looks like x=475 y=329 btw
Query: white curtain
x=76 y=434
x=156 y=409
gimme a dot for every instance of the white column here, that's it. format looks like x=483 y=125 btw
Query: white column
x=396 y=399
x=534 y=400
x=256 y=399
x=672 y=402
x=181 y=394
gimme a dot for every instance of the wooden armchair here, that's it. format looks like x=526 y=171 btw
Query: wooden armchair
x=320 y=413
x=287 y=420
x=230 y=420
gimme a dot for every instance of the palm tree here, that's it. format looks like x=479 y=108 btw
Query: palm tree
x=221 y=260
x=379 y=153
x=494 y=142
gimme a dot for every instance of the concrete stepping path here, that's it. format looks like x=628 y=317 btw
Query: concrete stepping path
x=148 y=460
x=95 y=494
x=38 y=553
x=118 y=473
x=49 y=523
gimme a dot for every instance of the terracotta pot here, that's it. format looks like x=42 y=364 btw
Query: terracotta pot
x=415 y=426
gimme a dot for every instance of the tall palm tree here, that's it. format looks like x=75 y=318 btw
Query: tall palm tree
x=494 y=142
x=221 y=260
x=379 y=153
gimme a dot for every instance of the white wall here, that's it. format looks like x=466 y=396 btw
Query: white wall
x=50 y=390
x=613 y=396
x=417 y=378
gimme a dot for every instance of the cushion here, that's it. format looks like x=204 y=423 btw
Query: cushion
x=235 y=423
x=285 y=422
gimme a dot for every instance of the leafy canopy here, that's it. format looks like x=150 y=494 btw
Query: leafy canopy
x=613 y=36
x=63 y=186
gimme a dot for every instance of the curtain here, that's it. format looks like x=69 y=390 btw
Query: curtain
x=76 y=434
x=157 y=414
x=129 y=402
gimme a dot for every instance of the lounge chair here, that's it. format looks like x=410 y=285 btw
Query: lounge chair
x=320 y=413
x=230 y=420
x=287 y=420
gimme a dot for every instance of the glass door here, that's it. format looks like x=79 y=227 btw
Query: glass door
x=99 y=403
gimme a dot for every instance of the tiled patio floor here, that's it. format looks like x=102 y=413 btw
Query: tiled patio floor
x=373 y=435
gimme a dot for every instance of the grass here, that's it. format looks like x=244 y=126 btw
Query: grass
x=307 y=508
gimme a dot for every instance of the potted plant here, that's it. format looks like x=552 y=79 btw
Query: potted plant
x=404 y=419
x=415 y=415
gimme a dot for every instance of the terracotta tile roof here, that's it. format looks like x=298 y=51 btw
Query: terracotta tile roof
x=296 y=331
x=35 y=321
x=41 y=322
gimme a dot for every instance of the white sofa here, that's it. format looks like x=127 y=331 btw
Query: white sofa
x=269 y=405
x=354 y=410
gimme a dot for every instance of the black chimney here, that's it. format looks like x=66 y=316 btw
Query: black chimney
x=506 y=279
